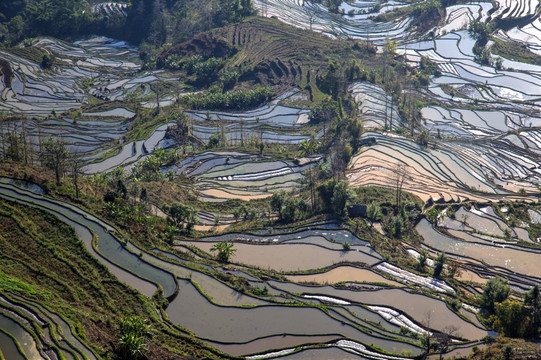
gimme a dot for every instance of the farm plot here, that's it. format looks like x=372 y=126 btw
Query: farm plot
x=481 y=169
x=358 y=24
x=515 y=9
x=301 y=251
x=510 y=167
x=430 y=174
x=271 y=123
x=232 y=325
x=414 y=305
x=376 y=107
x=185 y=309
x=454 y=55
x=315 y=249
x=528 y=35
x=224 y=175
x=485 y=222
x=20 y=317
x=85 y=137
x=126 y=265
x=102 y=67
x=236 y=175
x=203 y=300
x=476 y=123
x=458 y=17
x=514 y=262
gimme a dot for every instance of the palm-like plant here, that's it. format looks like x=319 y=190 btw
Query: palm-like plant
x=308 y=147
x=133 y=333
x=225 y=250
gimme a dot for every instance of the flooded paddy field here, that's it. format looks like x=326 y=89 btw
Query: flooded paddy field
x=272 y=316
x=234 y=175
x=376 y=107
x=431 y=173
x=126 y=265
x=484 y=145
x=355 y=22
x=271 y=123
x=344 y=273
x=231 y=325
x=514 y=258
x=18 y=318
x=291 y=257
x=103 y=62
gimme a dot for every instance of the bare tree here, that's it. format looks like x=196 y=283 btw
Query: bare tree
x=454 y=268
x=158 y=88
x=55 y=156
x=426 y=338
x=445 y=337
x=76 y=160
x=75 y=173
x=401 y=174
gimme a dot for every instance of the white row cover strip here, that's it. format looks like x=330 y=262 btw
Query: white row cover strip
x=359 y=348
x=271 y=355
x=396 y=318
x=327 y=299
x=260 y=176
x=425 y=281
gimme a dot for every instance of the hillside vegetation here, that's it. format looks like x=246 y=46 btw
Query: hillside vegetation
x=43 y=261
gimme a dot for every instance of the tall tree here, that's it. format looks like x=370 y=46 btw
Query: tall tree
x=439 y=264
x=55 y=156
x=495 y=290
x=532 y=302
x=400 y=176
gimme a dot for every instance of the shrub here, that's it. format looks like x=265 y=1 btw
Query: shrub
x=230 y=100
x=47 y=61
x=439 y=263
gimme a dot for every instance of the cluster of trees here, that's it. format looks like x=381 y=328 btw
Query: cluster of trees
x=287 y=207
x=245 y=212
x=60 y=18
x=180 y=214
x=149 y=22
x=194 y=16
x=129 y=206
x=334 y=82
x=333 y=195
x=326 y=111
x=481 y=31
x=510 y=316
x=230 y=100
x=204 y=71
x=181 y=132
x=149 y=168
x=52 y=153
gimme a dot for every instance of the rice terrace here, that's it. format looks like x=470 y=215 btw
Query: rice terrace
x=270 y=179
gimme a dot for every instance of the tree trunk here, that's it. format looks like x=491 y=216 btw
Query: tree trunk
x=75 y=179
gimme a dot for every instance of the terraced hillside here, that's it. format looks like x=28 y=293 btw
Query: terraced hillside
x=57 y=300
x=365 y=211
x=266 y=52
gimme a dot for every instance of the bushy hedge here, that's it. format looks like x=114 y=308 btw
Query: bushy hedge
x=231 y=100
